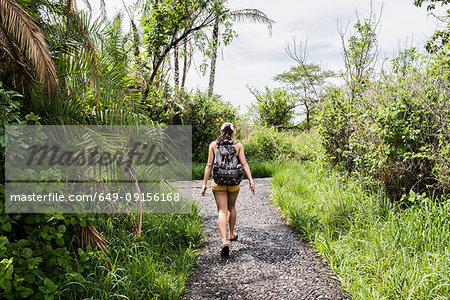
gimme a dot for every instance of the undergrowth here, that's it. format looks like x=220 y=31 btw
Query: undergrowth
x=153 y=267
x=379 y=250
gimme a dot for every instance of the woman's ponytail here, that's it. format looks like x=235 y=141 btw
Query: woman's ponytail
x=225 y=134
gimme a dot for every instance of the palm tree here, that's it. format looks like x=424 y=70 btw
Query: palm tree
x=242 y=15
x=18 y=35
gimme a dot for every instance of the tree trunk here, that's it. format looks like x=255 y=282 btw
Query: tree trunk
x=212 y=73
x=177 y=67
x=308 y=125
x=136 y=44
x=185 y=65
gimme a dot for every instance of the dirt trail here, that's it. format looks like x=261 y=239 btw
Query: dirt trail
x=267 y=262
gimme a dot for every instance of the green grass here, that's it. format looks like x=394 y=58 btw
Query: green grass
x=154 y=267
x=377 y=249
x=198 y=170
x=259 y=169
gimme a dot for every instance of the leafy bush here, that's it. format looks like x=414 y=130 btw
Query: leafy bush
x=36 y=251
x=334 y=126
x=274 y=108
x=39 y=254
x=269 y=144
x=262 y=169
x=397 y=131
x=206 y=115
x=46 y=256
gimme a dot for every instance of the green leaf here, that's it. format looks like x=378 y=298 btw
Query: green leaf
x=29 y=277
x=62 y=262
x=59 y=217
x=25 y=292
x=5 y=284
x=60 y=242
x=7 y=227
x=50 y=285
x=30 y=219
x=84 y=258
x=62 y=228
x=3 y=241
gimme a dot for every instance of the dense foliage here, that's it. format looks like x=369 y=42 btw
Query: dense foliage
x=273 y=108
x=267 y=144
x=59 y=66
x=206 y=115
x=391 y=129
x=397 y=131
x=379 y=214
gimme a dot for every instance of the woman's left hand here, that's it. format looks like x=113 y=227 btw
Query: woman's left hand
x=252 y=186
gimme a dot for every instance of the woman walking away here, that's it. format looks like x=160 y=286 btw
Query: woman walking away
x=227 y=161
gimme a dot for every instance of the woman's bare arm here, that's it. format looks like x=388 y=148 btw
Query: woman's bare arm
x=245 y=165
x=208 y=167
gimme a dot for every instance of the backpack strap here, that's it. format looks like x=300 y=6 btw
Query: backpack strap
x=216 y=154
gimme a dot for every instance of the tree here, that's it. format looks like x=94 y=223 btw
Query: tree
x=243 y=15
x=168 y=23
x=205 y=114
x=440 y=38
x=360 y=52
x=305 y=80
x=274 y=107
x=431 y=6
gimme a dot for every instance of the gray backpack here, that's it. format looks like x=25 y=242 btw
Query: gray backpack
x=227 y=169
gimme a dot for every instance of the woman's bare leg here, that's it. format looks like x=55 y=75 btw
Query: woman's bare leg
x=222 y=207
x=232 y=196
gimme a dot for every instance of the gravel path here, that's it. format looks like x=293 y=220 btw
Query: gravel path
x=268 y=261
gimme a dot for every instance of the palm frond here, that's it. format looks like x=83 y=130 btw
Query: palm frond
x=13 y=64
x=254 y=16
x=77 y=34
x=93 y=68
x=16 y=22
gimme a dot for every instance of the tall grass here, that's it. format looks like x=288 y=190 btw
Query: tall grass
x=377 y=249
x=154 y=267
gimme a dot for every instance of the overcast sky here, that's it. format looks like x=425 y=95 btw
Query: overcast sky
x=254 y=57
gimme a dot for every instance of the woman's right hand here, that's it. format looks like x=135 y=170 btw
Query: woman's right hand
x=203 y=189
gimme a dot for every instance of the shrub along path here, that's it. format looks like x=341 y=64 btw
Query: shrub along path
x=268 y=261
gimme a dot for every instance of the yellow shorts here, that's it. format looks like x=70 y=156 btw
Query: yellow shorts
x=225 y=188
